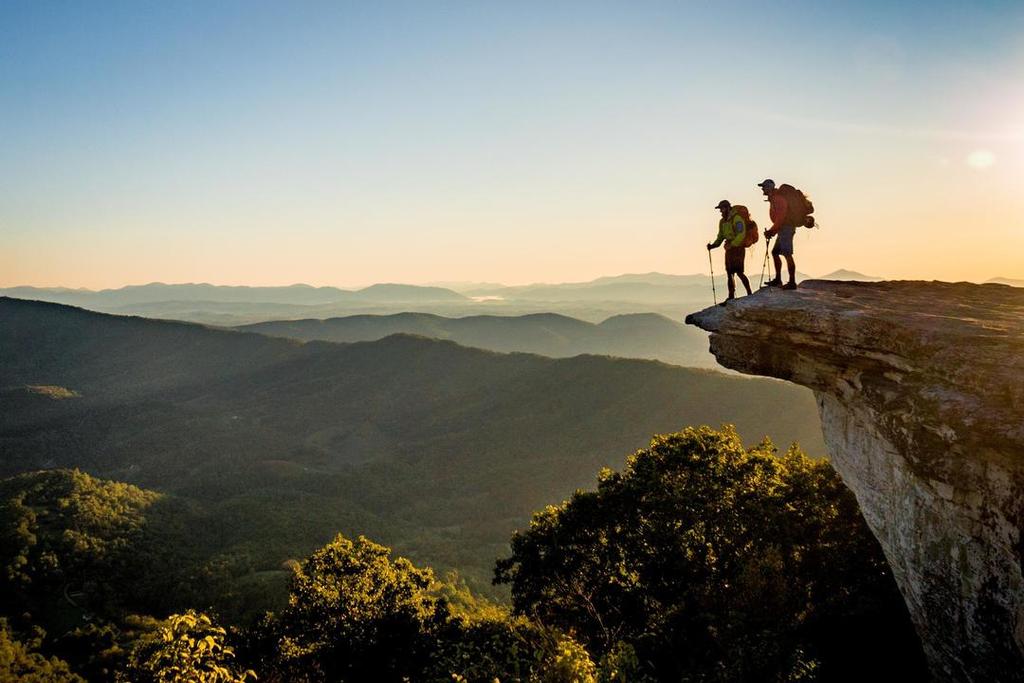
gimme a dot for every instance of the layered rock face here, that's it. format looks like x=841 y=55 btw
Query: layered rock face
x=920 y=386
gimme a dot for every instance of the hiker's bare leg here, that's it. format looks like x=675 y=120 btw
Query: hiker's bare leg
x=778 y=267
x=732 y=286
x=746 y=282
x=792 y=268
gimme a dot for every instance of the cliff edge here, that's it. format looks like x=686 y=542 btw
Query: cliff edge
x=920 y=387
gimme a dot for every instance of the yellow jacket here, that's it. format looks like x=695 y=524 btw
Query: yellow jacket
x=731 y=230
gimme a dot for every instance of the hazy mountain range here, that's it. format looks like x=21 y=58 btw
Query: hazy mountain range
x=435 y=448
x=669 y=295
x=636 y=335
x=633 y=315
x=299 y=294
x=1006 y=281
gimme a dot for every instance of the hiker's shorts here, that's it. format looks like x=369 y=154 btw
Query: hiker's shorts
x=734 y=260
x=784 y=241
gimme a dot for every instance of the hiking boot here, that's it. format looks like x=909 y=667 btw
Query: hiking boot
x=773 y=283
x=789 y=285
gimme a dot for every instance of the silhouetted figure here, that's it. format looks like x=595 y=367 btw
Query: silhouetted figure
x=789 y=208
x=733 y=230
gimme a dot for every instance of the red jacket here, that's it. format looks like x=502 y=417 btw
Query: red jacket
x=777 y=211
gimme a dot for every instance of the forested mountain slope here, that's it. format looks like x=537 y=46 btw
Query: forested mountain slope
x=437 y=449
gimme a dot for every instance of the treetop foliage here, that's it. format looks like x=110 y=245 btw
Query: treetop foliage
x=21 y=661
x=350 y=604
x=187 y=647
x=701 y=560
x=97 y=522
x=714 y=561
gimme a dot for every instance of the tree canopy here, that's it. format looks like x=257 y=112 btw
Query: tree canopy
x=701 y=560
x=21 y=661
x=715 y=561
x=188 y=647
x=353 y=612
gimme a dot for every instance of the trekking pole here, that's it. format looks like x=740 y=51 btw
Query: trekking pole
x=713 y=292
x=765 y=263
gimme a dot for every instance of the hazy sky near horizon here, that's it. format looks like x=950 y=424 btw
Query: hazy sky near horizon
x=345 y=144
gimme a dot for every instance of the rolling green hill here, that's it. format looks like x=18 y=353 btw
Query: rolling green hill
x=437 y=449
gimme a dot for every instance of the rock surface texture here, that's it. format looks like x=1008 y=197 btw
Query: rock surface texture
x=920 y=386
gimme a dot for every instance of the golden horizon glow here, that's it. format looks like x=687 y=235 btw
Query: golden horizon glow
x=340 y=158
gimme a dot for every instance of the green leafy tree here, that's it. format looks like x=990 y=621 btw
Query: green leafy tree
x=99 y=650
x=571 y=663
x=21 y=661
x=59 y=524
x=713 y=561
x=354 y=614
x=511 y=649
x=73 y=546
x=189 y=648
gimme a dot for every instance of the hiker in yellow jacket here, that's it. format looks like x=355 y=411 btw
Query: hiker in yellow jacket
x=732 y=230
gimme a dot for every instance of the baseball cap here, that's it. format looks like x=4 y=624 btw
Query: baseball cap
x=724 y=203
x=766 y=181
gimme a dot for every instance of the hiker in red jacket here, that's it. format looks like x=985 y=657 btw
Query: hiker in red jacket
x=779 y=212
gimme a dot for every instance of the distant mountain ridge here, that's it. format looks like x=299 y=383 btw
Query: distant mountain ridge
x=669 y=295
x=302 y=294
x=1012 y=282
x=844 y=274
x=637 y=335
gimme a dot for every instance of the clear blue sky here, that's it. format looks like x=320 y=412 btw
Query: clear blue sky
x=330 y=143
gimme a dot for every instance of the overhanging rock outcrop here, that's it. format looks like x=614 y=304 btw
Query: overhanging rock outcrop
x=920 y=387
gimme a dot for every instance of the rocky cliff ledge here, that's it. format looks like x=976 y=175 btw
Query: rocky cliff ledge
x=920 y=387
